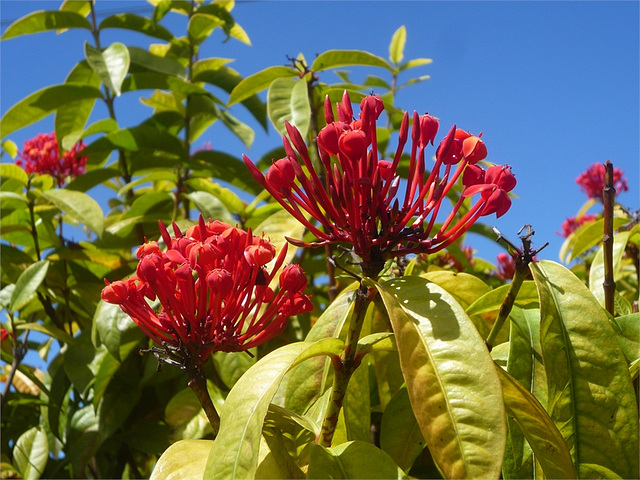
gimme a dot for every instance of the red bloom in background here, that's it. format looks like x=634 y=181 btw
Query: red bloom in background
x=357 y=201
x=42 y=155
x=591 y=181
x=214 y=291
x=570 y=225
x=506 y=266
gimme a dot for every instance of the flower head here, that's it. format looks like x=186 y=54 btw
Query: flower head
x=506 y=266
x=571 y=224
x=359 y=199
x=592 y=180
x=42 y=155
x=214 y=291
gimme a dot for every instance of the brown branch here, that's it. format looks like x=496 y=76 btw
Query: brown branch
x=608 y=197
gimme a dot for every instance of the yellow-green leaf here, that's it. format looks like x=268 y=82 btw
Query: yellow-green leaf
x=184 y=460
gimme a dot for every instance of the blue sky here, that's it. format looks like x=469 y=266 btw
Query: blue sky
x=553 y=85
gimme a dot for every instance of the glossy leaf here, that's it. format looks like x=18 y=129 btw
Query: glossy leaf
x=400 y=434
x=111 y=65
x=31 y=453
x=258 y=82
x=201 y=25
x=43 y=102
x=79 y=206
x=492 y=300
x=117 y=332
x=230 y=366
x=235 y=452
x=9 y=171
x=184 y=459
x=536 y=425
x=210 y=206
x=288 y=100
x=42 y=21
x=228 y=198
x=396 y=48
x=228 y=168
x=27 y=284
x=130 y=21
x=355 y=459
x=415 y=62
x=627 y=330
x=146 y=59
x=591 y=398
x=357 y=405
x=343 y=58
x=454 y=389
x=185 y=416
x=596 y=272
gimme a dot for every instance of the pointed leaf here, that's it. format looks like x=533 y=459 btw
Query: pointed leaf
x=596 y=272
x=45 y=20
x=112 y=64
x=10 y=171
x=591 y=397
x=342 y=58
x=184 y=459
x=287 y=100
x=43 y=102
x=258 y=82
x=396 y=48
x=79 y=206
x=146 y=59
x=235 y=451
x=161 y=81
x=454 y=389
x=31 y=453
x=136 y=23
x=492 y=300
x=28 y=282
x=543 y=436
x=228 y=168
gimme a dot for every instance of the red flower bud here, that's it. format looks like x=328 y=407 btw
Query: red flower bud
x=220 y=281
x=474 y=149
x=148 y=248
x=428 y=129
x=293 y=279
x=473 y=175
x=353 y=144
x=375 y=105
x=497 y=201
x=386 y=169
x=281 y=175
x=116 y=292
x=501 y=176
x=259 y=254
x=328 y=138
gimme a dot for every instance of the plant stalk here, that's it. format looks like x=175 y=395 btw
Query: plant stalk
x=608 y=197
x=198 y=384
x=522 y=270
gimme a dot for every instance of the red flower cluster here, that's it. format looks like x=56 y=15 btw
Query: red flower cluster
x=506 y=266
x=214 y=291
x=592 y=180
x=356 y=201
x=570 y=225
x=42 y=155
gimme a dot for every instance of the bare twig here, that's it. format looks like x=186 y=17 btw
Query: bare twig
x=608 y=197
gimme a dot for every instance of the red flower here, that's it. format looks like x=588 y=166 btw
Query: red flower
x=571 y=224
x=42 y=155
x=506 y=266
x=592 y=180
x=356 y=202
x=214 y=291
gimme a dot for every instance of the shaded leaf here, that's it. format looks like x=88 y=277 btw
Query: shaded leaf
x=591 y=398
x=42 y=21
x=111 y=65
x=79 y=206
x=146 y=59
x=452 y=384
x=342 y=58
x=136 y=23
x=229 y=169
x=43 y=102
x=27 y=284
x=287 y=100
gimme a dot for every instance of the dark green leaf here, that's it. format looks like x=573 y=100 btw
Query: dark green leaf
x=27 y=284
x=160 y=81
x=229 y=169
x=42 y=21
x=343 y=58
x=92 y=178
x=136 y=23
x=117 y=332
x=43 y=102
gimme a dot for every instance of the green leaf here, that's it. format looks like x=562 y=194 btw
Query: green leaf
x=47 y=329
x=355 y=459
x=287 y=100
x=28 y=282
x=160 y=81
x=235 y=452
x=140 y=138
x=42 y=21
x=185 y=459
x=596 y=272
x=416 y=62
x=10 y=148
x=342 y=58
x=228 y=168
x=492 y=300
x=229 y=199
x=230 y=366
x=117 y=332
x=136 y=23
x=210 y=206
x=400 y=434
x=257 y=82
x=396 y=48
x=591 y=397
x=454 y=388
x=31 y=453
x=92 y=178
x=201 y=25
x=111 y=65
x=186 y=418
x=536 y=425
x=627 y=329
x=10 y=171
x=43 y=102
x=79 y=206
x=146 y=59
x=586 y=237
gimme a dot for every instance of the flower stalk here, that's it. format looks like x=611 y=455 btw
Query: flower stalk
x=608 y=201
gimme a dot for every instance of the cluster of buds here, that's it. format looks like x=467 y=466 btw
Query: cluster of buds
x=214 y=292
x=592 y=181
x=353 y=197
x=42 y=155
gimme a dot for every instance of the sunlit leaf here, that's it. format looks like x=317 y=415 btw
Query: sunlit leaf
x=31 y=453
x=27 y=284
x=591 y=397
x=42 y=21
x=627 y=329
x=43 y=102
x=235 y=452
x=183 y=460
x=416 y=62
x=79 y=206
x=585 y=237
x=228 y=168
x=117 y=332
x=111 y=65
x=596 y=272
x=288 y=100
x=452 y=384
x=258 y=82
x=210 y=206
x=342 y=58
x=136 y=23
x=396 y=48
x=146 y=59
x=536 y=425
x=492 y=300
x=9 y=171
x=161 y=81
